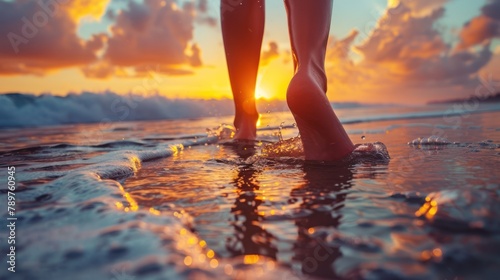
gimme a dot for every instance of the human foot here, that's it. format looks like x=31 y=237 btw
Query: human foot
x=322 y=134
x=246 y=127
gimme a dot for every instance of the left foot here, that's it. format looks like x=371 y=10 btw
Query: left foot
x=246 y=127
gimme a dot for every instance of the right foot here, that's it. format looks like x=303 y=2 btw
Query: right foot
x=322 y=134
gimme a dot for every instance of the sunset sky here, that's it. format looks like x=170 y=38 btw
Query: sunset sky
x=399 y=51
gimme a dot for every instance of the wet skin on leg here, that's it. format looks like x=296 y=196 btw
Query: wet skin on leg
x=242 y=30
x=322 y=134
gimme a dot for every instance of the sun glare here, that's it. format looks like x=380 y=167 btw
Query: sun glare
x=262 y=94
x=392 y=3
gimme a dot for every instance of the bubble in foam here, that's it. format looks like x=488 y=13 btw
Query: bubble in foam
x=429 y=141
x=369 y=151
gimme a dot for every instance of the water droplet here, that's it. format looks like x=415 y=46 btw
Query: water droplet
x=363 y=137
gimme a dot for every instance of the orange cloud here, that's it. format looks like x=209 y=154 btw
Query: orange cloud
x=420 y=7
x=479 y=30
x=404 y=53
x=41 y=36
x=270 y=54
x=79 y=9
x=483 y=28
x=154 y=33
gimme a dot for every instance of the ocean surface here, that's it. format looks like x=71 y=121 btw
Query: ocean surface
x=178 y=200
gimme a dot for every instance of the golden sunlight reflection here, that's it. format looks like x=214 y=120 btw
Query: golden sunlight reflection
x=188 y=261
x=251 y=259
x=133 y=206
x=228 y=269
x=154 y=211
x=429 y=209
x=203 y=243
x=262 y=94
x=210 y=254
x=214 y=263
x=259 y=123
x=434 y=254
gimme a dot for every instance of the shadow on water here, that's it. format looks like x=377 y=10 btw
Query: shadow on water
x=249 y=238
x=323 y=194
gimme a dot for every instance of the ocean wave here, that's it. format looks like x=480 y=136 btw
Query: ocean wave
x=99 y=229
x=26 y=110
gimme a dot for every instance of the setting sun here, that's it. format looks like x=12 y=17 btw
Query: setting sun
x=262 y=94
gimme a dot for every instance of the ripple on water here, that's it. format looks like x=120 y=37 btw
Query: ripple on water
x=463 y=210
x=410 y=196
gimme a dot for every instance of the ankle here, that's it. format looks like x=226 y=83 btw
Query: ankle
x=245 y=119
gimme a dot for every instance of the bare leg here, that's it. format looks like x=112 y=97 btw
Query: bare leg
x=321 y=132
x=242 y=31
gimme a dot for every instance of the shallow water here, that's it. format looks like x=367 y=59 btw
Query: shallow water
x=113 y=201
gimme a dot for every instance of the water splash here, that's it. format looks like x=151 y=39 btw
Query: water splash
x=293 y=148
x=223 y=131
x=284 y=148
x=374 y=152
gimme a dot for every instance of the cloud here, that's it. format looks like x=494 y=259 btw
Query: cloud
x=204 y=16
x=79 y=9
x=483 y=28
x=492 y=9
x=404 y=53
x=195 y=57
x=153 y=33
x=270 y=54
x=420 y=7
x=41 y=35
